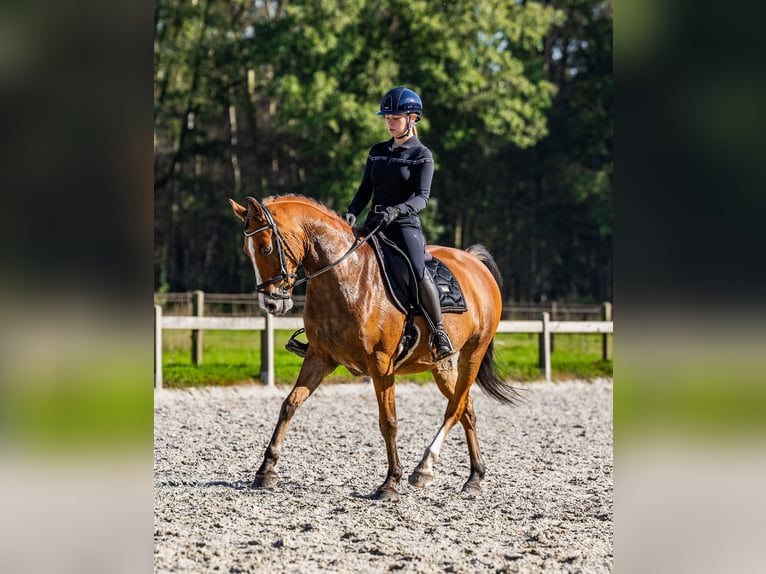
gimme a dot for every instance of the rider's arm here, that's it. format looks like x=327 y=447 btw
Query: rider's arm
x=421 y=176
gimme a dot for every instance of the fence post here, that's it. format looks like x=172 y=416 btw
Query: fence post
x=606 y=340
x=545 y=347
x=157 y=347
x=554 y=310
x=541 y=347
x=198 y=310
x=267 y=351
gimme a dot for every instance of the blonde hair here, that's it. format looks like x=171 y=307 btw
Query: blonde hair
x=415 y=125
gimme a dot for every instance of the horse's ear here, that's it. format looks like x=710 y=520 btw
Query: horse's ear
x=255 y=208
x=239 y=210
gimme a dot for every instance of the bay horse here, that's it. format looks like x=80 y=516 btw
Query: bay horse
x=349 y=320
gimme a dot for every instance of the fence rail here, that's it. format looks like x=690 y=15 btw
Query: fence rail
x=267 y=324
x=247 y=304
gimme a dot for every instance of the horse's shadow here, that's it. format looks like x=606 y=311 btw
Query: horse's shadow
x=362 y=496
x=237 y=485
x=247 y=486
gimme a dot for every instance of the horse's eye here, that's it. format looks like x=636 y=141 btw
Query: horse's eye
x=268 y=249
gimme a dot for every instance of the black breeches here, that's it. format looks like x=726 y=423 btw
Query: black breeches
x=409 y=238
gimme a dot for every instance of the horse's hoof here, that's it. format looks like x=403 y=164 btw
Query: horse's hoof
x=386 y=494
x=420 y=479
x=471 y=489
x=265 y=480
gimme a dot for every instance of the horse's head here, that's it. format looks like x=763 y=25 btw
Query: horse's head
x=274 y=261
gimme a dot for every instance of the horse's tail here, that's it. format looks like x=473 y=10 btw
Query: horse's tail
x=489 y=377
x=486 y=257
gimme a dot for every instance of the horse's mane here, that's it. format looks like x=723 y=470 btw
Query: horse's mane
x=302 y=199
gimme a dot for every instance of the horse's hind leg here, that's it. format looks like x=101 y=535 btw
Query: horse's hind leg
x=312 y=373
x=468 y=420
x=423 y=474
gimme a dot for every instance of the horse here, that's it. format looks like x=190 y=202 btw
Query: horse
x=349 y=320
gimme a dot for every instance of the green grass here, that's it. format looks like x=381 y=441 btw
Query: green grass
x=233 y=357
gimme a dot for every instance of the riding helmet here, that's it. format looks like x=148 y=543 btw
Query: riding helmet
x=401 y=100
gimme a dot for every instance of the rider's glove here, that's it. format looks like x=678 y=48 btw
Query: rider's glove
x=389 y=215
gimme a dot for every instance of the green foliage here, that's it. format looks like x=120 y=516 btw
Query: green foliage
x=263 y=98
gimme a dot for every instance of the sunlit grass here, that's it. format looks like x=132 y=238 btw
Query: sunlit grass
x=233 y=357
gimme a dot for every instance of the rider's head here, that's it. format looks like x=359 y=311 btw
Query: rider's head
x=402 y=101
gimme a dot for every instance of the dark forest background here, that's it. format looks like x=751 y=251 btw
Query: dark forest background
x=262 y=98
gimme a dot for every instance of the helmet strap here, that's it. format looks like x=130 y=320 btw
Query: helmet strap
x=409 y=129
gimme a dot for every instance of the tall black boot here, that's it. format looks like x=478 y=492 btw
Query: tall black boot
x=441 y=346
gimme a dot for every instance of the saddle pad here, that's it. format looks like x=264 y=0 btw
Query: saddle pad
x=398 y=276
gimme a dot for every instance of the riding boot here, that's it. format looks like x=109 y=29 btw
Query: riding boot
x=441 y=346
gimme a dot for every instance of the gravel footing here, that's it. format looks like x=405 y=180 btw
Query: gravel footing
x=546 y=505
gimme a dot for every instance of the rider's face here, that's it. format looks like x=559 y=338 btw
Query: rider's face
x=396 y=124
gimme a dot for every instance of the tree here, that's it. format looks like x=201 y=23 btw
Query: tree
x=272 y=97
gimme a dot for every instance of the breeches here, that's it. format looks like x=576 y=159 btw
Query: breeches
x=409 y=238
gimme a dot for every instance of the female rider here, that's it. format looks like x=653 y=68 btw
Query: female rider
x=397 y=177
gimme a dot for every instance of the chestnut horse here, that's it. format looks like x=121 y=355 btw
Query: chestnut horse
x=350 y=321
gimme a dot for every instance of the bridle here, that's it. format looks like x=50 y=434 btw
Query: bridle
x=284 y=251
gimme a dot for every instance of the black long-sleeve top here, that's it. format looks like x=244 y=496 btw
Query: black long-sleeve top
x=400 y=176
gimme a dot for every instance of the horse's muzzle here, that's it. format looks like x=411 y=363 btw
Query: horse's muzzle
x=276 y=304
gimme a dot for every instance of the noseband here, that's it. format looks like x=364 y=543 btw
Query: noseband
x=283 y=250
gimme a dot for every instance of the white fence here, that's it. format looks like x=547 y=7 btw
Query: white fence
x=267 y=324
x=246 y=304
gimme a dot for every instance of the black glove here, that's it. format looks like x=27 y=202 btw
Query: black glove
x=374 y=221
x=349 y=218
x=388 y=216
x=380 y=219
x=369 y=226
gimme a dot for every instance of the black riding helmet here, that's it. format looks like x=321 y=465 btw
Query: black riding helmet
x=401 y=100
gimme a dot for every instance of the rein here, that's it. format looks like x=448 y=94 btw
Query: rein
x=357 y=244
x=284 y=276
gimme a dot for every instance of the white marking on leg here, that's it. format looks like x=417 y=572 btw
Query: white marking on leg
x=426 y=465
x=436 y=444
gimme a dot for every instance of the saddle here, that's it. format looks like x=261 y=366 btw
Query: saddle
x=401 y=286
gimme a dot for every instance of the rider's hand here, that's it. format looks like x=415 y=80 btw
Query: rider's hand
x=349 y=218
x=389 y=215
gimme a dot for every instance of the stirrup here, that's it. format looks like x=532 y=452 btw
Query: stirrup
x=295 y=346
x=441 y=345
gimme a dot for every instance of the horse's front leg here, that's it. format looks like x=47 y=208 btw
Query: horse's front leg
x=313 y=372
x=384 y=390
